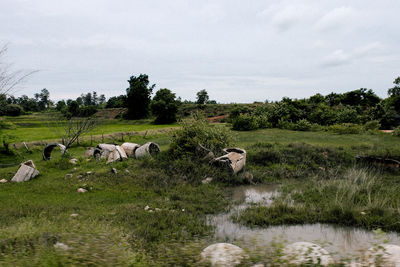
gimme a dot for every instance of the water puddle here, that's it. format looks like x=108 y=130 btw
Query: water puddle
x=341 y=242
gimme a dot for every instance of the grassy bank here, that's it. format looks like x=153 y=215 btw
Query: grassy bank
x=153 y=211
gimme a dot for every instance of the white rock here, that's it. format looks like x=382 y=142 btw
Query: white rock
x=81 y=190
x=74 y=215
x=146 y=208
x=2 y=181
x=385 y=254
x=62 y=246
x=207 y=180
x=114 y=170
x=89 y=173
x=305 y=252
x=73 y=161
x=26 y=171
x=223 y=254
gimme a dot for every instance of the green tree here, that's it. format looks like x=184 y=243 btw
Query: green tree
x=164 y=106
x=202 y=97
x=138 y=97
x=395 y=91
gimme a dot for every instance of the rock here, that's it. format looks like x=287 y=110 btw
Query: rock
x=146 y=208
x=127 y=171
x=207 y=180
x=73 y=161
x=3 y=181
x=49 y=148
x=61 y=246
x=26 y=171
x=130 y=148
x=305 y=253
x=79 y=176
x=74 y=215
x=148 y=149
x=81 y=190
x=68 y=176
x=382 y=255
x=114 y=170
x=235 y=159
x=223 y=254
x=89 y=173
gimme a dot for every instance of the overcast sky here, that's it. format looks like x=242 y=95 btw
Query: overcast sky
x=239 y=51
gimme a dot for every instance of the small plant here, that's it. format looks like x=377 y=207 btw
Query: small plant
x=302 y=125
x=396 y=131
x=197 y=131
x=372 y=125
x=245 y=122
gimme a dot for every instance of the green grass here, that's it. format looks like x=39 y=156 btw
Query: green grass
x=319 y=183
x=39 y=126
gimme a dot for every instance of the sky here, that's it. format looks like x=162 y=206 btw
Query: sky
x=239 y=51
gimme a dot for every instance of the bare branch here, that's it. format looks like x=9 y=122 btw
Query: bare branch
x=9 y=79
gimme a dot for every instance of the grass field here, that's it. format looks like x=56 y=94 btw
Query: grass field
x=153 y=211
x=45 y=126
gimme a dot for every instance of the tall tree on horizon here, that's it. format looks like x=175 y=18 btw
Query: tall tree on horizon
x=138 y=97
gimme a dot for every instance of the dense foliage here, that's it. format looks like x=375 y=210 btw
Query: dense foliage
x=138 y=97
x=165 y=106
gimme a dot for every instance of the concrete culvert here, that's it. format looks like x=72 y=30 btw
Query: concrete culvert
x=130 y=148
x=235 y=159
x=223 y=254
x=49 y=148
x=301 y=253
x=148 y=149
x=105 y=149
x=26 y=171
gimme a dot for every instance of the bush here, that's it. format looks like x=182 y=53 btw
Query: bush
x=302 y=125
x=346 y=128
x=372 y=125
x=396 y=131
x=196 y=130
x=245 y=122
x=284 y=124
x=13 y=110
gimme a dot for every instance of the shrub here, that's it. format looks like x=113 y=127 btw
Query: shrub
x=196 y=130
x=372 y=125
x=13 y=110
x=263 y=122
x=245 y=122
x=396 y=131
x=302 y=125
x=346 y=128
x=285 y=124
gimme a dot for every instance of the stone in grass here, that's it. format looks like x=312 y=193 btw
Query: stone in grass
x=305 y=253
x=74 y=215
x=2 y=181
x=114 y=170
x=81 y=190
x=223 y=254
x=207 y=180
x=73 y=161
x=89 y=173
x=382 y=255
x=68 y=176
x=61 y=246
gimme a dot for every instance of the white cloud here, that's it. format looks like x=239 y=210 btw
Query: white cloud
x=336 y=18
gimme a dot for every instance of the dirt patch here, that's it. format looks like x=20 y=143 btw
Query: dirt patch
x=217 y=118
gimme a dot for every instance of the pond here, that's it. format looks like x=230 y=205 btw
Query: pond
x=340 y=242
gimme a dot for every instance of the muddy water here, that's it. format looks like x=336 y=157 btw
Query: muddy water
x=341 y=242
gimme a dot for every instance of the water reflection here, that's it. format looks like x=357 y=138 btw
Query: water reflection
x=341 y=242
